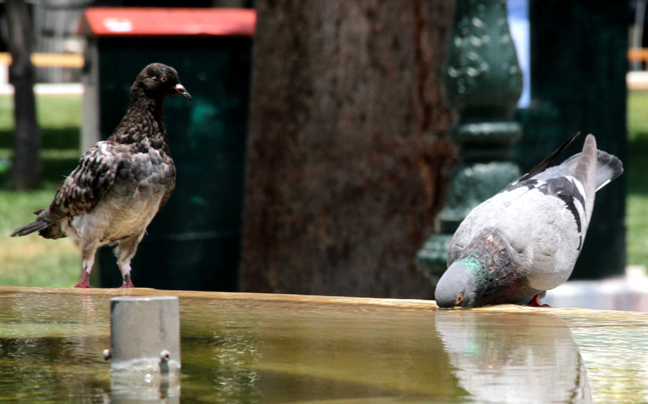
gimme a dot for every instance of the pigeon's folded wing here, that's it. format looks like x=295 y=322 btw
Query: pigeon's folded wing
x=78 y=194
x=88 y=183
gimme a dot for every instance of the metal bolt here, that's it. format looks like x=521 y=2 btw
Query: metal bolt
x=165 y=356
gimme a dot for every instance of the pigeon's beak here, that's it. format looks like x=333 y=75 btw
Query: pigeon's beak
x=182 y=91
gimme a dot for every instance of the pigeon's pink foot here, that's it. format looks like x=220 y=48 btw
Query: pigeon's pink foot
x=128 y=283
x=535 y=302
x=84 y=283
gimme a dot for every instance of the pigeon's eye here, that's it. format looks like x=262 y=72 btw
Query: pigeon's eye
x=164 y=79
x=459 y=299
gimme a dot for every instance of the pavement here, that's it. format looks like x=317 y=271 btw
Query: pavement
x=626 y=293
x=637 y=80
x=42 y=88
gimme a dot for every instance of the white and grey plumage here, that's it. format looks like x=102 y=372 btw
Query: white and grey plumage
x=526 y=239
x=121 y=183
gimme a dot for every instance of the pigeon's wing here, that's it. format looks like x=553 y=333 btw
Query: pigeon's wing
x=79 y=193
x=555 y=223
x=565 y=198
x=170 y=188
x=88 y=183
x=591 y=169
x=546 y=163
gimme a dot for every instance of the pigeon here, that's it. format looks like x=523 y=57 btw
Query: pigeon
x=121 y=183
x=525 y=240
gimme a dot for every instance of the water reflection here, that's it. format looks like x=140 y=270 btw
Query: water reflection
x=48 y=348
x=514 y=358
x=147 y=389
x=280 y=352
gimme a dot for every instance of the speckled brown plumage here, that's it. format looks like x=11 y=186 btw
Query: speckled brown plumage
x=121 y=183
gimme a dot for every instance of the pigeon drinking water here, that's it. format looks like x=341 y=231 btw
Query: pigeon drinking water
x=121 y=183
x=525 y=240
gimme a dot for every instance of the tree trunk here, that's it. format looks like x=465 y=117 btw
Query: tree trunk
x=347 y=159
x=27 y=164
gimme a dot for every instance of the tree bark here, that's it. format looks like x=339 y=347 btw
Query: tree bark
x=347 y=156
x=27 y=164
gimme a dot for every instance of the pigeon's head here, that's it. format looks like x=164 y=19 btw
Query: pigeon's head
x=160 y=81
x=457 y=285
x=485 y=273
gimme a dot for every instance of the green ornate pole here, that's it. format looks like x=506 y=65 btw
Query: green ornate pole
x=483 y=82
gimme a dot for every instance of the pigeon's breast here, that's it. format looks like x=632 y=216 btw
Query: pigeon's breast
x=147 y=169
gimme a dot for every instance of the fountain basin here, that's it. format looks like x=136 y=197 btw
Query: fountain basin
x=258 y=348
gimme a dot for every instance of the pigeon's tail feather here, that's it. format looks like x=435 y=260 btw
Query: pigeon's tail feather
x=46 y=224
x=38 y=225
x=608 y=167
x=585 y=170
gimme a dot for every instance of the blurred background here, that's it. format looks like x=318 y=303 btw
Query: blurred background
x=321 y=151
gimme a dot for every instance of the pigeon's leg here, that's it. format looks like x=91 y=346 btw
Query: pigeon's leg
x=125 y=252
x=125 y=268
x=88 y=255
x=535 y=302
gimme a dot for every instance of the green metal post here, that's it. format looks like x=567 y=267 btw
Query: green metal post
x=483 y=82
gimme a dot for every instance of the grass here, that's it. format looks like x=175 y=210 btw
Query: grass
x=58 y=115
x=637 y=203
x=34 y=261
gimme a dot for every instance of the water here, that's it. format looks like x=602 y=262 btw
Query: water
x=239 y=348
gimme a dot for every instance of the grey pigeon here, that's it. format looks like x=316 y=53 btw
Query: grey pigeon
x=121 y=183
x=525 y=240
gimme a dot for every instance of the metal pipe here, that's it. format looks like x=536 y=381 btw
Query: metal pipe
x=144 y=335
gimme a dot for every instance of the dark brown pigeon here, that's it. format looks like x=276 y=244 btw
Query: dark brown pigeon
x=121 y=183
